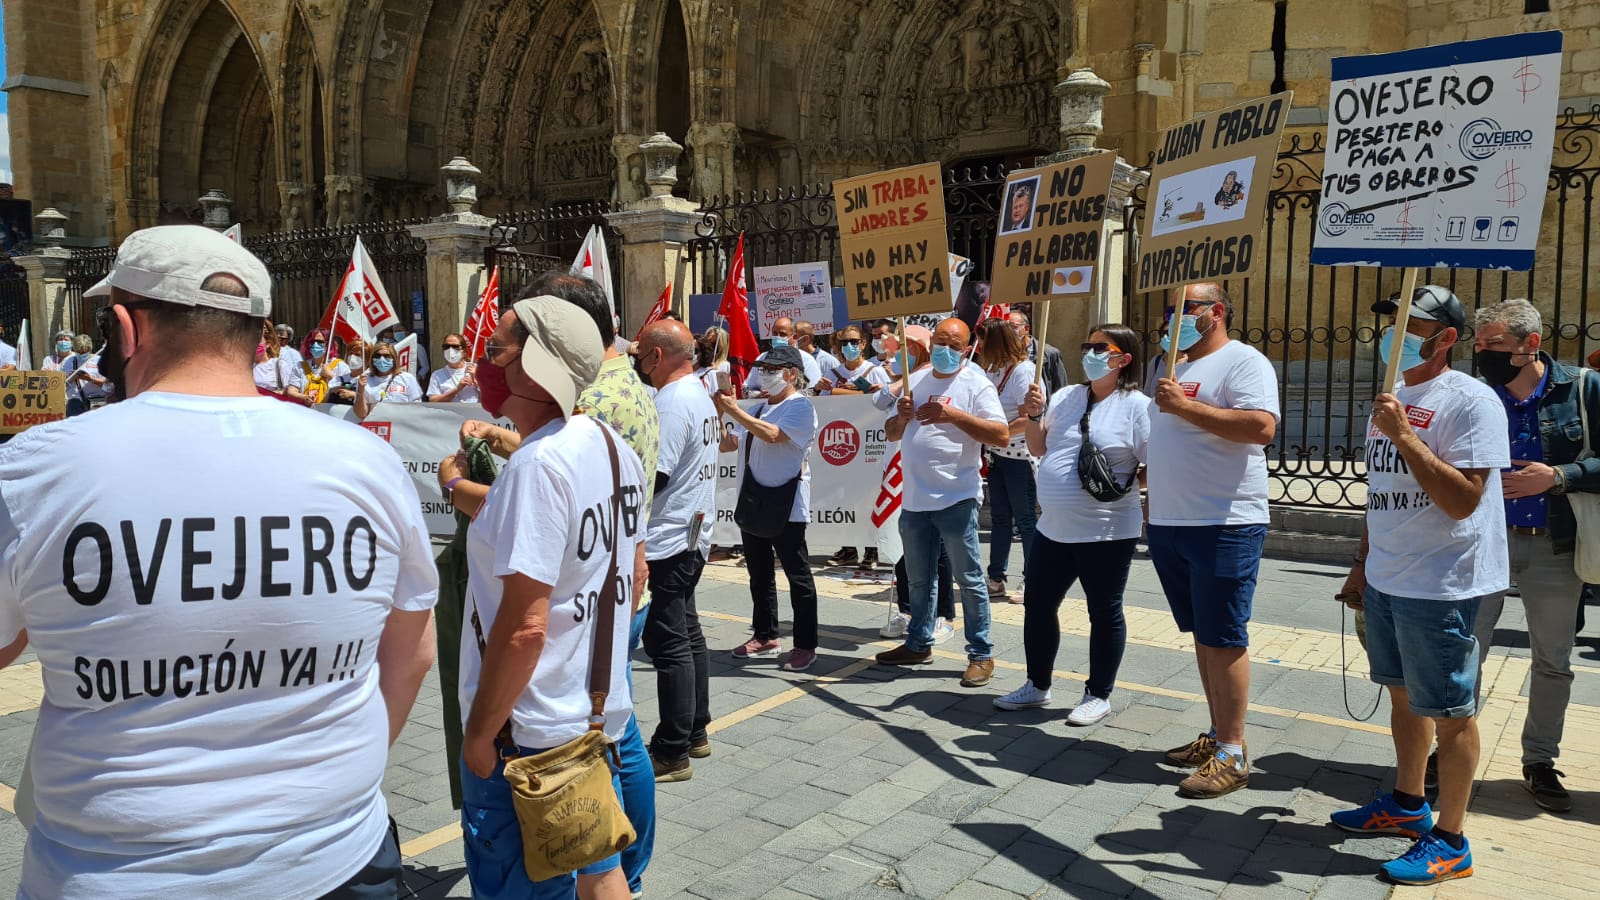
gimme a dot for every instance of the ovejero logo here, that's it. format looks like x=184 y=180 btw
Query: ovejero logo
x=1337 y=218
x=1483 y=137
x=840 y=442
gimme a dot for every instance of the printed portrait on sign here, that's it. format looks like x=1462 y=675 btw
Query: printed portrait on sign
x=1019 y=206
x=1232 y=191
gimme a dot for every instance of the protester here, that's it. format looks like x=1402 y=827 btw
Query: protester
x=782 y=333
x=86 y=387
x=1541 y=398
x=355 y=362
x=1208 y=520
x=711 y=358
x=224 y=756
x=1434 y=546
x=776 y=439
x=275 y=375
x=398 y=333
x=677 y=543
x=1012 y=492
x=385 y=382
x=454 y=383
x=285 y=335
x=60 y=358
x=950 y=412
x=853 y=376
x=1085 y=537
x=324 y=372
x=918 y=342
x=1055 y=371
x=883 y=335
x=805 y=337
x=538 y=563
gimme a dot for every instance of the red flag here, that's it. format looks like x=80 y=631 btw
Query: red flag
x=735 y=308
x=484 y=319
x=888 y=503
x=360 y=309
x=657 y=312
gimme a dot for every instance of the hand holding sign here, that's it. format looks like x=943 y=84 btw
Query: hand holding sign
x=1389 y=417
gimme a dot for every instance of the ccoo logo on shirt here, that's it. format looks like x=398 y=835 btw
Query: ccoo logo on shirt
x=1190 y=388
x=1418 y=417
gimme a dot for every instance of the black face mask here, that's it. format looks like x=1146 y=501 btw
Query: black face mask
x=113 y=367
x=1496 y=366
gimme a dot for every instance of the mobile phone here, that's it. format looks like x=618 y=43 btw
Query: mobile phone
x=724 y=383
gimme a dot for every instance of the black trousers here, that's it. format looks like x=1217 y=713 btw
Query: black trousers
x=1102 y=567
x=673 y=640
x=947 y=589
x=790 y=550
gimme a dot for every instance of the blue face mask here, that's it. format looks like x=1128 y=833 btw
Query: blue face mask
x=1096 y=365
x=383 y=364
x=946 y=360
x=1410 y=349
x=318 y=349
x=1188 y=334
x=780 y=342
x=851 y=352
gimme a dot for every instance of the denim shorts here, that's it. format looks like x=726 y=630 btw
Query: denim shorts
x=1208 y=573
x=1426 y=647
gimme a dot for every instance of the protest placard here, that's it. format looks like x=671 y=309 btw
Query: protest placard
x=29 y=398
x=1438 y=156
x=802 y=292
x=892 y=238
x=1051 y=218
x=1208 y=195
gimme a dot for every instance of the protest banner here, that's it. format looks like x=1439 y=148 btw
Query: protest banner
x=29 y=398
x=1051 y=220
x=802 y=292
x=892 y=239
x=1208 y=195
x=1438 y=156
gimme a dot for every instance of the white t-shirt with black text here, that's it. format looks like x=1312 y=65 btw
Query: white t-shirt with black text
x=1120 y=426
x=776 y=464
x=870 y=374
x=1414 y=549
x=1196 y=477
x=445 y=380
x=211 y=724
x=941 y=462
x=682 y=513
x=549 y=516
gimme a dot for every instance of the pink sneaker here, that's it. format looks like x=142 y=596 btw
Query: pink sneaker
x=799 y=660
x=755 y=648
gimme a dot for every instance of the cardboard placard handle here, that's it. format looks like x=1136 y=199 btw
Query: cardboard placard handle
x=1402 y=317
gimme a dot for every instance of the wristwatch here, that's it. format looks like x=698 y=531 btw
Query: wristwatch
x=450 y=486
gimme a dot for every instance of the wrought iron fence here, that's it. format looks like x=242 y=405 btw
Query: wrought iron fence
x=529 y=242
x=84 y=270
x=307 y=267
x=13 y=297
x=1314 y=322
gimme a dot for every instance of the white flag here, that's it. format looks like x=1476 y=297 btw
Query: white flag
x=406 y=351
x=24 y=348
x=361 y=309
x=592 y=262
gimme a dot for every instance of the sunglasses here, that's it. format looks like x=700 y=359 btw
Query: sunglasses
x=452 y=346
x=853 y=342
x=1099 y=347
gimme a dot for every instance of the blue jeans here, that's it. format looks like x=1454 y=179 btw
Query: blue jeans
x=1013 y=496
x=921 y=533
x=1426 y=647
x=1208 y=573
x=638 y=781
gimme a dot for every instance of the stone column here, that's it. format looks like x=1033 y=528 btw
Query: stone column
x=47 y=281
x=217 y=209
x=456 y=241
x=713 y=145
x=654 y=233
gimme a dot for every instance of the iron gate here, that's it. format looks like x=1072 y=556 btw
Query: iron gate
x=307 y=267
x=527 y=243
x=13 y=298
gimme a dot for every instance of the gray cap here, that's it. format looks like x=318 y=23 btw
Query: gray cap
x=1430 y=303
x=171 y=262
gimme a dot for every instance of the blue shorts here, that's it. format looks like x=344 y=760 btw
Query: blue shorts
x=493 y=842
x=1208 y=573
x=1426 y=647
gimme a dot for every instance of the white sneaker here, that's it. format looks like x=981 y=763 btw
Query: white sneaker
x=942 y=631
x=896 y=626
x=1025 y=697
x=1089 y=710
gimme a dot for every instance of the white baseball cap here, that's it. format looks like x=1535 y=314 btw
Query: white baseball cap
x=171 y=262
x=563 y=352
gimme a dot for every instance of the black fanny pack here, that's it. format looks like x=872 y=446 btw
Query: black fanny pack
x=1094 y=470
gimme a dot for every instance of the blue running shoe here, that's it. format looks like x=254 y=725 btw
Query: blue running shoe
x=1430 y=861
x=1384 y=816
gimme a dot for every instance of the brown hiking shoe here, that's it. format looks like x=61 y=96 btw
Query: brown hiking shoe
x=1193 y=753
x=671 y=771
x=1221 y=774
x=700 y=749
x=978 y=673
x=904 y=656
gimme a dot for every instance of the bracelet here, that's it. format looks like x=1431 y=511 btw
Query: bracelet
x=1034 y=418
x=450 y=486
x=1561 y=480
x=1359 y=559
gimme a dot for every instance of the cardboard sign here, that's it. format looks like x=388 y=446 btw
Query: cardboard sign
x=29 y=398
x=1051 y=220
x=892 y=238
x=802 y=292
x=1439 y=156
x=1208 y=195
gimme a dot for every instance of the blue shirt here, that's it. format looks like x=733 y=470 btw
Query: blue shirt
x=1523 y=416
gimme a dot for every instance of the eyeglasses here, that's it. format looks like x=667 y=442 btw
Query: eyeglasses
x=853 y=342
x=1099 y=347
x=492 y=350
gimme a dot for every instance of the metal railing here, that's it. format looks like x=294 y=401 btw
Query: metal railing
x=83 y=271
x=307 y=267
x=529 y=242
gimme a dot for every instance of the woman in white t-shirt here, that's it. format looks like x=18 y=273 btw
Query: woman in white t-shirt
x=60 y=360
x=1004 y=358
x=384 y=382
x=711 y=357
x=274 y=375
x=1082 y=538
x=454 y=382
x=325 y=373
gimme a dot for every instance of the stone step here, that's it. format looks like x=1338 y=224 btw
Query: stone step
x=1307 y=546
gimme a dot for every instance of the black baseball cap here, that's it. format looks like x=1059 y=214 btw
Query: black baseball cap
x=1430 y=303
x=784 y=356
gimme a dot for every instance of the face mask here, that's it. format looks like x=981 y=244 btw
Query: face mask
x=493 y=390
x=780 y=342
x=638 y=369
x=1096 y=365
x=355 y=361
x=1410 y=351
x=946 y=360
x=63 y=346
x=879 y=346
x=773 y=383
x=1188 y=334
x=1496 y=366
x=452 y=355
x=851 y=352
x=383 y=364
x=318 y=349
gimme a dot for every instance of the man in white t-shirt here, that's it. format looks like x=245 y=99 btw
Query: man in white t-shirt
x=454 y=382
x=950 y=414
x=805 y=337
x=676 y=544
x=782 y=336
x=1433 y=548
x=1207 y=478
x=225 y=662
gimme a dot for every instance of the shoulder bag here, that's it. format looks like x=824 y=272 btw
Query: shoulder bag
x=1094 y=470
x=563 y=797
x=1585 y=505
x=763 y=511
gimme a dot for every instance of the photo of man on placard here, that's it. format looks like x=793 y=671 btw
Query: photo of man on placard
x=1019 y=206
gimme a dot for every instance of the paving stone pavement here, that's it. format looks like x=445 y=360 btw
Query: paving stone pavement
x=853 y=781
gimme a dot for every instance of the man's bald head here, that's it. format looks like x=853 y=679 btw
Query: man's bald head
x=1208 y=292
x=672 y=337
x=783 y=327
x=953 y=333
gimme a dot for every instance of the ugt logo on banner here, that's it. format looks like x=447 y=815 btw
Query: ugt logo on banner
x=840 y=442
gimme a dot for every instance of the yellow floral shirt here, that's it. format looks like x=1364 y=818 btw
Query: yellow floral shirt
x=618 y=398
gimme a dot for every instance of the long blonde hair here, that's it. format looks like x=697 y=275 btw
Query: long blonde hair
x=711 y=351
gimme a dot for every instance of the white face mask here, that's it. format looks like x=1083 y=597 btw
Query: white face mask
x=452 y=356
x=773 y=382
x=879 y=346
x=355 y=361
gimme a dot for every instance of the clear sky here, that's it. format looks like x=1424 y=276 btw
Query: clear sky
x=5 y=123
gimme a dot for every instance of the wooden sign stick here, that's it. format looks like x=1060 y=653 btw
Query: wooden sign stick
x=1402 y=317
x=905 y=361
x=1038 y=337
x=1173 y=331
